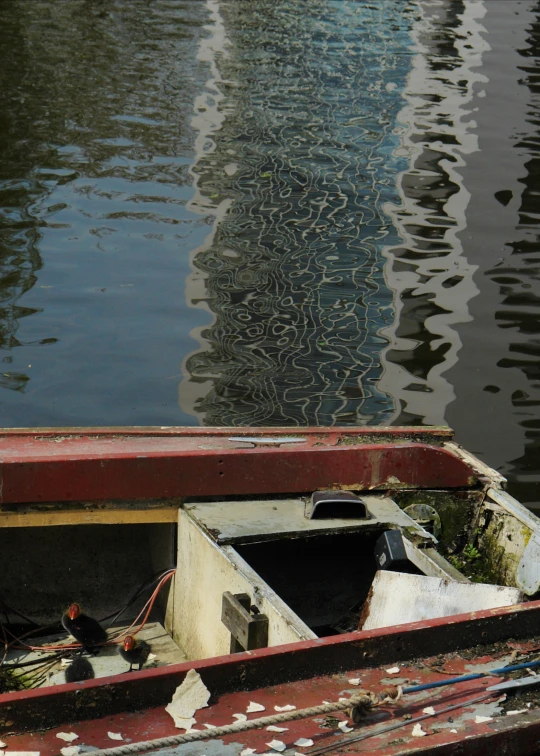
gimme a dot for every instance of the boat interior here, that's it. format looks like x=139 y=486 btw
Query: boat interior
x=204 y=575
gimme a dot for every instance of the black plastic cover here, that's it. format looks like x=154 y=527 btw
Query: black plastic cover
x=390 y=552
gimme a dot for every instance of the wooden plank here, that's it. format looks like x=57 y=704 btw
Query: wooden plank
x=115 y=516
x=137 y=471
x=249 y=630
x=397 y=597
x=245 y=602
x=50 y=707
x=443 y=433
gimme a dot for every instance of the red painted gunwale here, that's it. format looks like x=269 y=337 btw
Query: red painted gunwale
x=97 y=464
x=303 y=674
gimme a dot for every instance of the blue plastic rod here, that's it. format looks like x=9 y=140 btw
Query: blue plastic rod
x=464 y=678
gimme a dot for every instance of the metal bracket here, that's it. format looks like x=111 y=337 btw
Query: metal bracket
x=248 y=631
x=267 y=441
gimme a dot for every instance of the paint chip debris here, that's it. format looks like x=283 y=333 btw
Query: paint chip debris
x=392 y=671
x=210 y=726
x=277 y=745
x=428 y=710
x=287 y=707
x=355 y=681
x=240 y=717
x=247 y=752
x=481 y=720
x=417 y=731
x=115 y=736
x=273 y=728
x=303 y=742
x=69 y=737
x=70 y=750
x=253 y=706
x=344 y=727
x=188 y=698
x=516 y=711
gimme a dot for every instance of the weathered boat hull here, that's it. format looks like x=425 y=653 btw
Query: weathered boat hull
x=303 y=675
x=216 y=506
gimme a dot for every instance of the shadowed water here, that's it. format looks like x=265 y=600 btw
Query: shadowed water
x=273 y=213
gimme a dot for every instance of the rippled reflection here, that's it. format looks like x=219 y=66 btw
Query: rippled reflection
x=95 y=148
x=429 y=272
x=295 y=272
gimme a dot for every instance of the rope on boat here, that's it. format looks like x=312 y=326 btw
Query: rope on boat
x=360 y=702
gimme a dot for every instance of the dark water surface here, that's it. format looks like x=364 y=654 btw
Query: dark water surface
x=266 y=212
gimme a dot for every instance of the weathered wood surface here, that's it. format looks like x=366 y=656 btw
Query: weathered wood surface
x=303 y=675
x=248 y=631
x=64 y=465
x=397 y=597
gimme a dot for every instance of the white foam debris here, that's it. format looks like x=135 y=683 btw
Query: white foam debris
x=303 y=742
x=392 y=670
x=326 y=702
x=516 y=711
x=69 y=737
x=70 y=750
x=247 y=752
x=240 y=717
x=253 y=706
x=209 y=726
x=428 y=710
x=454 y=731
x=344 y=727
x=188 y=698
x=273 y=728
x=152 y=656
x=287 y=707
x=115 y=736
x=354 y=681
x=481 y=720
x=277 y=745
x=65 y=662
x=417 y=731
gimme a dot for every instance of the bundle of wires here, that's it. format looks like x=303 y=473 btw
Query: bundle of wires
x=11 y=680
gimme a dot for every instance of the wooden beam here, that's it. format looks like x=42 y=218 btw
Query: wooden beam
x=87 y=517
x=250 y=631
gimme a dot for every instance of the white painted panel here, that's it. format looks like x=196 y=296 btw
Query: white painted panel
x=528 y=571
x=257 y=519
x=397 y=598
x=205 y=571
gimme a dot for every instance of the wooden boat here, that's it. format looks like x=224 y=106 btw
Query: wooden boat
x=276 y=539
x=463 y=718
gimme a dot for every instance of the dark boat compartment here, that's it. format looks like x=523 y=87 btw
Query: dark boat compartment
x=323 y=579
x=45 y=569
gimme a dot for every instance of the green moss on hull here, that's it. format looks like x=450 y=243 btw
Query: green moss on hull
x=456 y=514
x=10 y=682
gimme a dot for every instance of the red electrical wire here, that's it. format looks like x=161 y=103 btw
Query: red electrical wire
x=112 y=641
